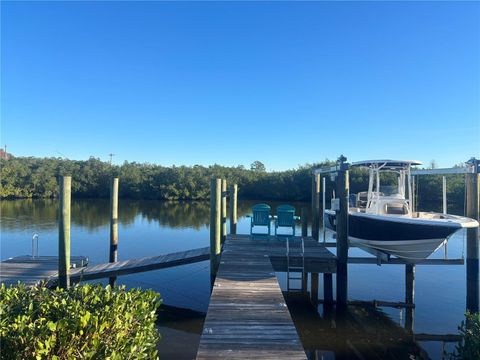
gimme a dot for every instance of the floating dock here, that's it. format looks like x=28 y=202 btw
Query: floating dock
x=33 y=270
x=138 y=265
x=247 y=316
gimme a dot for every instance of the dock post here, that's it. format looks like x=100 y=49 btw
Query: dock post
x=444 y=194
x=113 y=225
x=315 y=206
x=409 y=296
x=314 y=287
x=233 y=209
x=342 y=232
x=224 y=211
x=472 y=207
x=215 y=224
x=304 y=219
x=324 y=187
x=304 y=283
x=64 y=232
x=414 y=201
x=328 y=288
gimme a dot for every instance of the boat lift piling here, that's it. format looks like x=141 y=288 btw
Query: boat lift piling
x=316 y=213
x=342 y=231
x=409 y=296
x=472 y=211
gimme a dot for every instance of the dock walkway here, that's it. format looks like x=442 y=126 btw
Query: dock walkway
x=247 y=316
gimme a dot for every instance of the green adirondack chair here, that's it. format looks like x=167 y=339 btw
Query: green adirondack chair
x=285 y=218
x=260 y=217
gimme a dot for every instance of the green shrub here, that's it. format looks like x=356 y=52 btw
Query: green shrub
x=469 y=347
x=83 y=322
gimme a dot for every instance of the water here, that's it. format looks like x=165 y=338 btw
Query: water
x=147 y=228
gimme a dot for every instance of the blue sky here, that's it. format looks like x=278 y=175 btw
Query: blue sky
x=230 y=83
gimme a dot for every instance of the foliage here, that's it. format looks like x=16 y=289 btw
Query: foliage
x=469 y=347
x=83 y=322
x=29 y=177
x=258 y=166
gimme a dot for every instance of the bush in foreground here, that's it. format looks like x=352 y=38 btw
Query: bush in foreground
x=469 y=347
x=83 y=322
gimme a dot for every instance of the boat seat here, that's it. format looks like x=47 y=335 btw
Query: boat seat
x=396 y=209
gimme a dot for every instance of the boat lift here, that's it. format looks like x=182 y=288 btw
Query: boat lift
x=472 y=166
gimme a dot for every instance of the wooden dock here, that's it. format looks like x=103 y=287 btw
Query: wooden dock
x=33 y=270
x=247 y=316
x=137 y=265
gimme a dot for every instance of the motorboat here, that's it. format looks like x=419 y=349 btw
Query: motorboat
x=382 y=220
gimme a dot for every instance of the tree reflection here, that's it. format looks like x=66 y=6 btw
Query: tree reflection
x=94 y=214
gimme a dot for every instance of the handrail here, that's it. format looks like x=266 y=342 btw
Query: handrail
x=35 y=245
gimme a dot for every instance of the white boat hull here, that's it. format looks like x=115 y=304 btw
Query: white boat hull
x=411 y=251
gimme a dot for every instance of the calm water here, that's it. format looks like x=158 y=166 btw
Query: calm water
x=148 y=228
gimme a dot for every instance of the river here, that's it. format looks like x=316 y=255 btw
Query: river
x=148 y=228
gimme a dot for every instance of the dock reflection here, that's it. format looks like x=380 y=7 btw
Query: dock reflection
x=360 y=331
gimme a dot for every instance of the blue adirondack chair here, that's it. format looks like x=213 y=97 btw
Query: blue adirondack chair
x=260 y=217
x=285 y=218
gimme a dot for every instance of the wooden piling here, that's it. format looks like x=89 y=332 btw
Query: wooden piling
x=304 y=283
x=472 y=208
x=64 y=232
x=444 y=194
x=314 y=287
x=224 y=211
x=215 y=225
x=315 y=206
x=113 y=219
x=304 y=218
x=414 y=200
x=342 y=234
x=409 y=296
x=233 y=209
x=328 y=288
x=113 y=225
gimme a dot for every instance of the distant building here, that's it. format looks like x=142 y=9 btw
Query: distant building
x=4 y=155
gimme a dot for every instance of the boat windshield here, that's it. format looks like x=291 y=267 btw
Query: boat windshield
x=390 y=190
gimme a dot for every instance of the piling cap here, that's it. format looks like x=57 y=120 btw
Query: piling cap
x=475 y=163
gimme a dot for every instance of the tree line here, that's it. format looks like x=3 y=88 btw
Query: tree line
x=31 y=177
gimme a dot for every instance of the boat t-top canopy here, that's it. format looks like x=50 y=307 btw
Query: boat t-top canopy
x=387 y=164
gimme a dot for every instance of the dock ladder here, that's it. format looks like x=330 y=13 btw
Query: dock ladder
x=295 y=267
